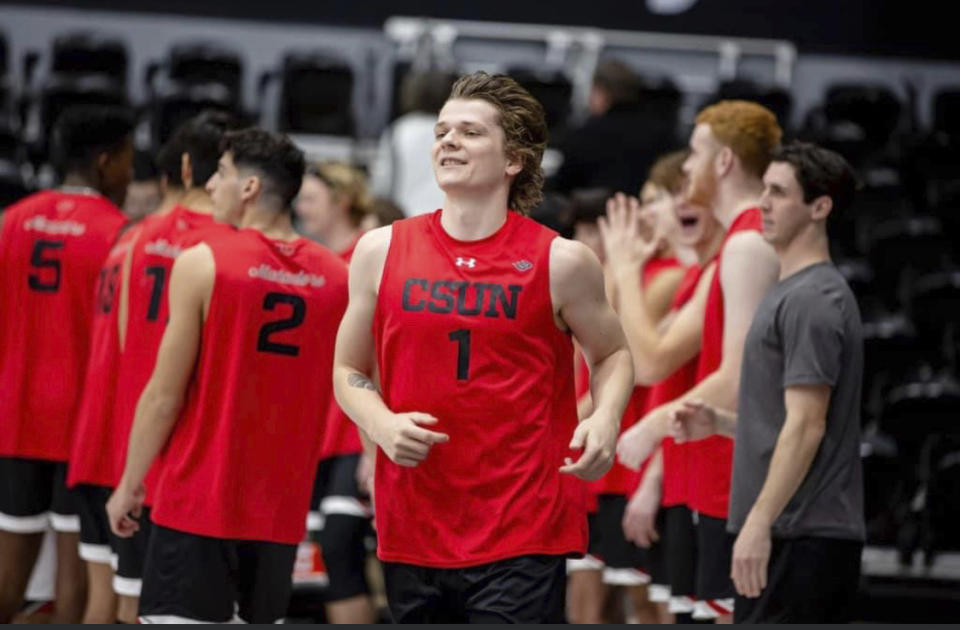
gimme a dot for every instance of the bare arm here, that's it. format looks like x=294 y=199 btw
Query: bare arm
x=750 y=268
x=799 y=440
x=796 y=447
x=576 y=286
x=401 y=436
x=657 y=355
x=191 y=283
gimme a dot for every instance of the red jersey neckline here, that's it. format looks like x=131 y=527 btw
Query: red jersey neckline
x=499 y=234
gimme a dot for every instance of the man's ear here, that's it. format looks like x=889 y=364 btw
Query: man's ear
x=514 y=166
x=822 y=207
x=186 y=171
x=251 y=188
x=723 y=161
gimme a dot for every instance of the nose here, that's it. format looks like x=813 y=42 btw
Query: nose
x=449 y=139
x=209 y=186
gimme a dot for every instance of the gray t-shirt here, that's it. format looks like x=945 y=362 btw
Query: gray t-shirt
x=806 y=331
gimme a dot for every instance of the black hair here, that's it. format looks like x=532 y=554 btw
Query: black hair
x=589 y=204
x=84 y=132
x=820 y=172
x=273 y=155
x=199 y=137
x=144 y=168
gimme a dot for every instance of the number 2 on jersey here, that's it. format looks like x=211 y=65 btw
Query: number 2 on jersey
x=270 y=302
x=462 y=337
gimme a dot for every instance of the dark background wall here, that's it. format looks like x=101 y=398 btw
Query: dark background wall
x=863 y=27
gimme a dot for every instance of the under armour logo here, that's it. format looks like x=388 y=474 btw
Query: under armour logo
x=523 y=265
x=466 y=262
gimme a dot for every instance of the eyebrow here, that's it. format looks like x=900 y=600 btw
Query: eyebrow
x=462 y=123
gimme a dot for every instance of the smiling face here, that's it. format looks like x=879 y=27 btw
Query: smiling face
x=469 y=156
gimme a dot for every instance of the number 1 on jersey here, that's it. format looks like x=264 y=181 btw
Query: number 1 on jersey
x=462 y=337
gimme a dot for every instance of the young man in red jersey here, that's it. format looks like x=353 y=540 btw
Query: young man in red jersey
x=52 y=247
x=133 y=308
x=665 y=359
x=730 y=148
x=244 y=366
x=469 y=312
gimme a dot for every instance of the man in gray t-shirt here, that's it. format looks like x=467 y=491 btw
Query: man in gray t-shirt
x=796 y=500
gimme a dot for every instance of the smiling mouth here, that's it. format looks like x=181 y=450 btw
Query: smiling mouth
x=451 y=162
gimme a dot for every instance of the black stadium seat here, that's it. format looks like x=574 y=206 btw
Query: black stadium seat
x=773 y=98
x=12 y=185
x=85 y=53
x=62 y=92
x=316 y=94
x=554 y=91
x=204 y=63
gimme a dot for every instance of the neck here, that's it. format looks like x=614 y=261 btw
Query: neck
x=271 y=222
x=197 y=200
x=80 y=180
x=707 y=248
x=171 y=199
x=808 y=248
x=473 y=219
x=733 y=199
x=339 y=234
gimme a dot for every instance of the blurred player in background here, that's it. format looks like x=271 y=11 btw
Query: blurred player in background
x=52 y=248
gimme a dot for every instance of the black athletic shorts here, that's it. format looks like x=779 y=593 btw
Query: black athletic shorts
x=197 y=578
x=525 y=589
x=340 y=523
x=809 y=580
x=680 y=547
x=96 y=540
x=131 y=556
x=715 y=590
x=591 y=561
x=659 y=589
x=98 y=544
x=625 y=564
x=34 y=496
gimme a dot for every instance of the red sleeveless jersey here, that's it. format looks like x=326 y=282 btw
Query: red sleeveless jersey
x=620 y=479
x=242 y=456
x=52 y=247
x=93 y=439
x=340 y=434
x=162 y=238
x=675 y=458
x=465 y=331
x=712 y=458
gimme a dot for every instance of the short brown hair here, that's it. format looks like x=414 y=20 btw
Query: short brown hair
x=667 y=172
x=750 y=130
x=345 y=182
x=524 y=127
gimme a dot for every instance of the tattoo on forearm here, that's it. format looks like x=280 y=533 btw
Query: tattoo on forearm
x=360 y=381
